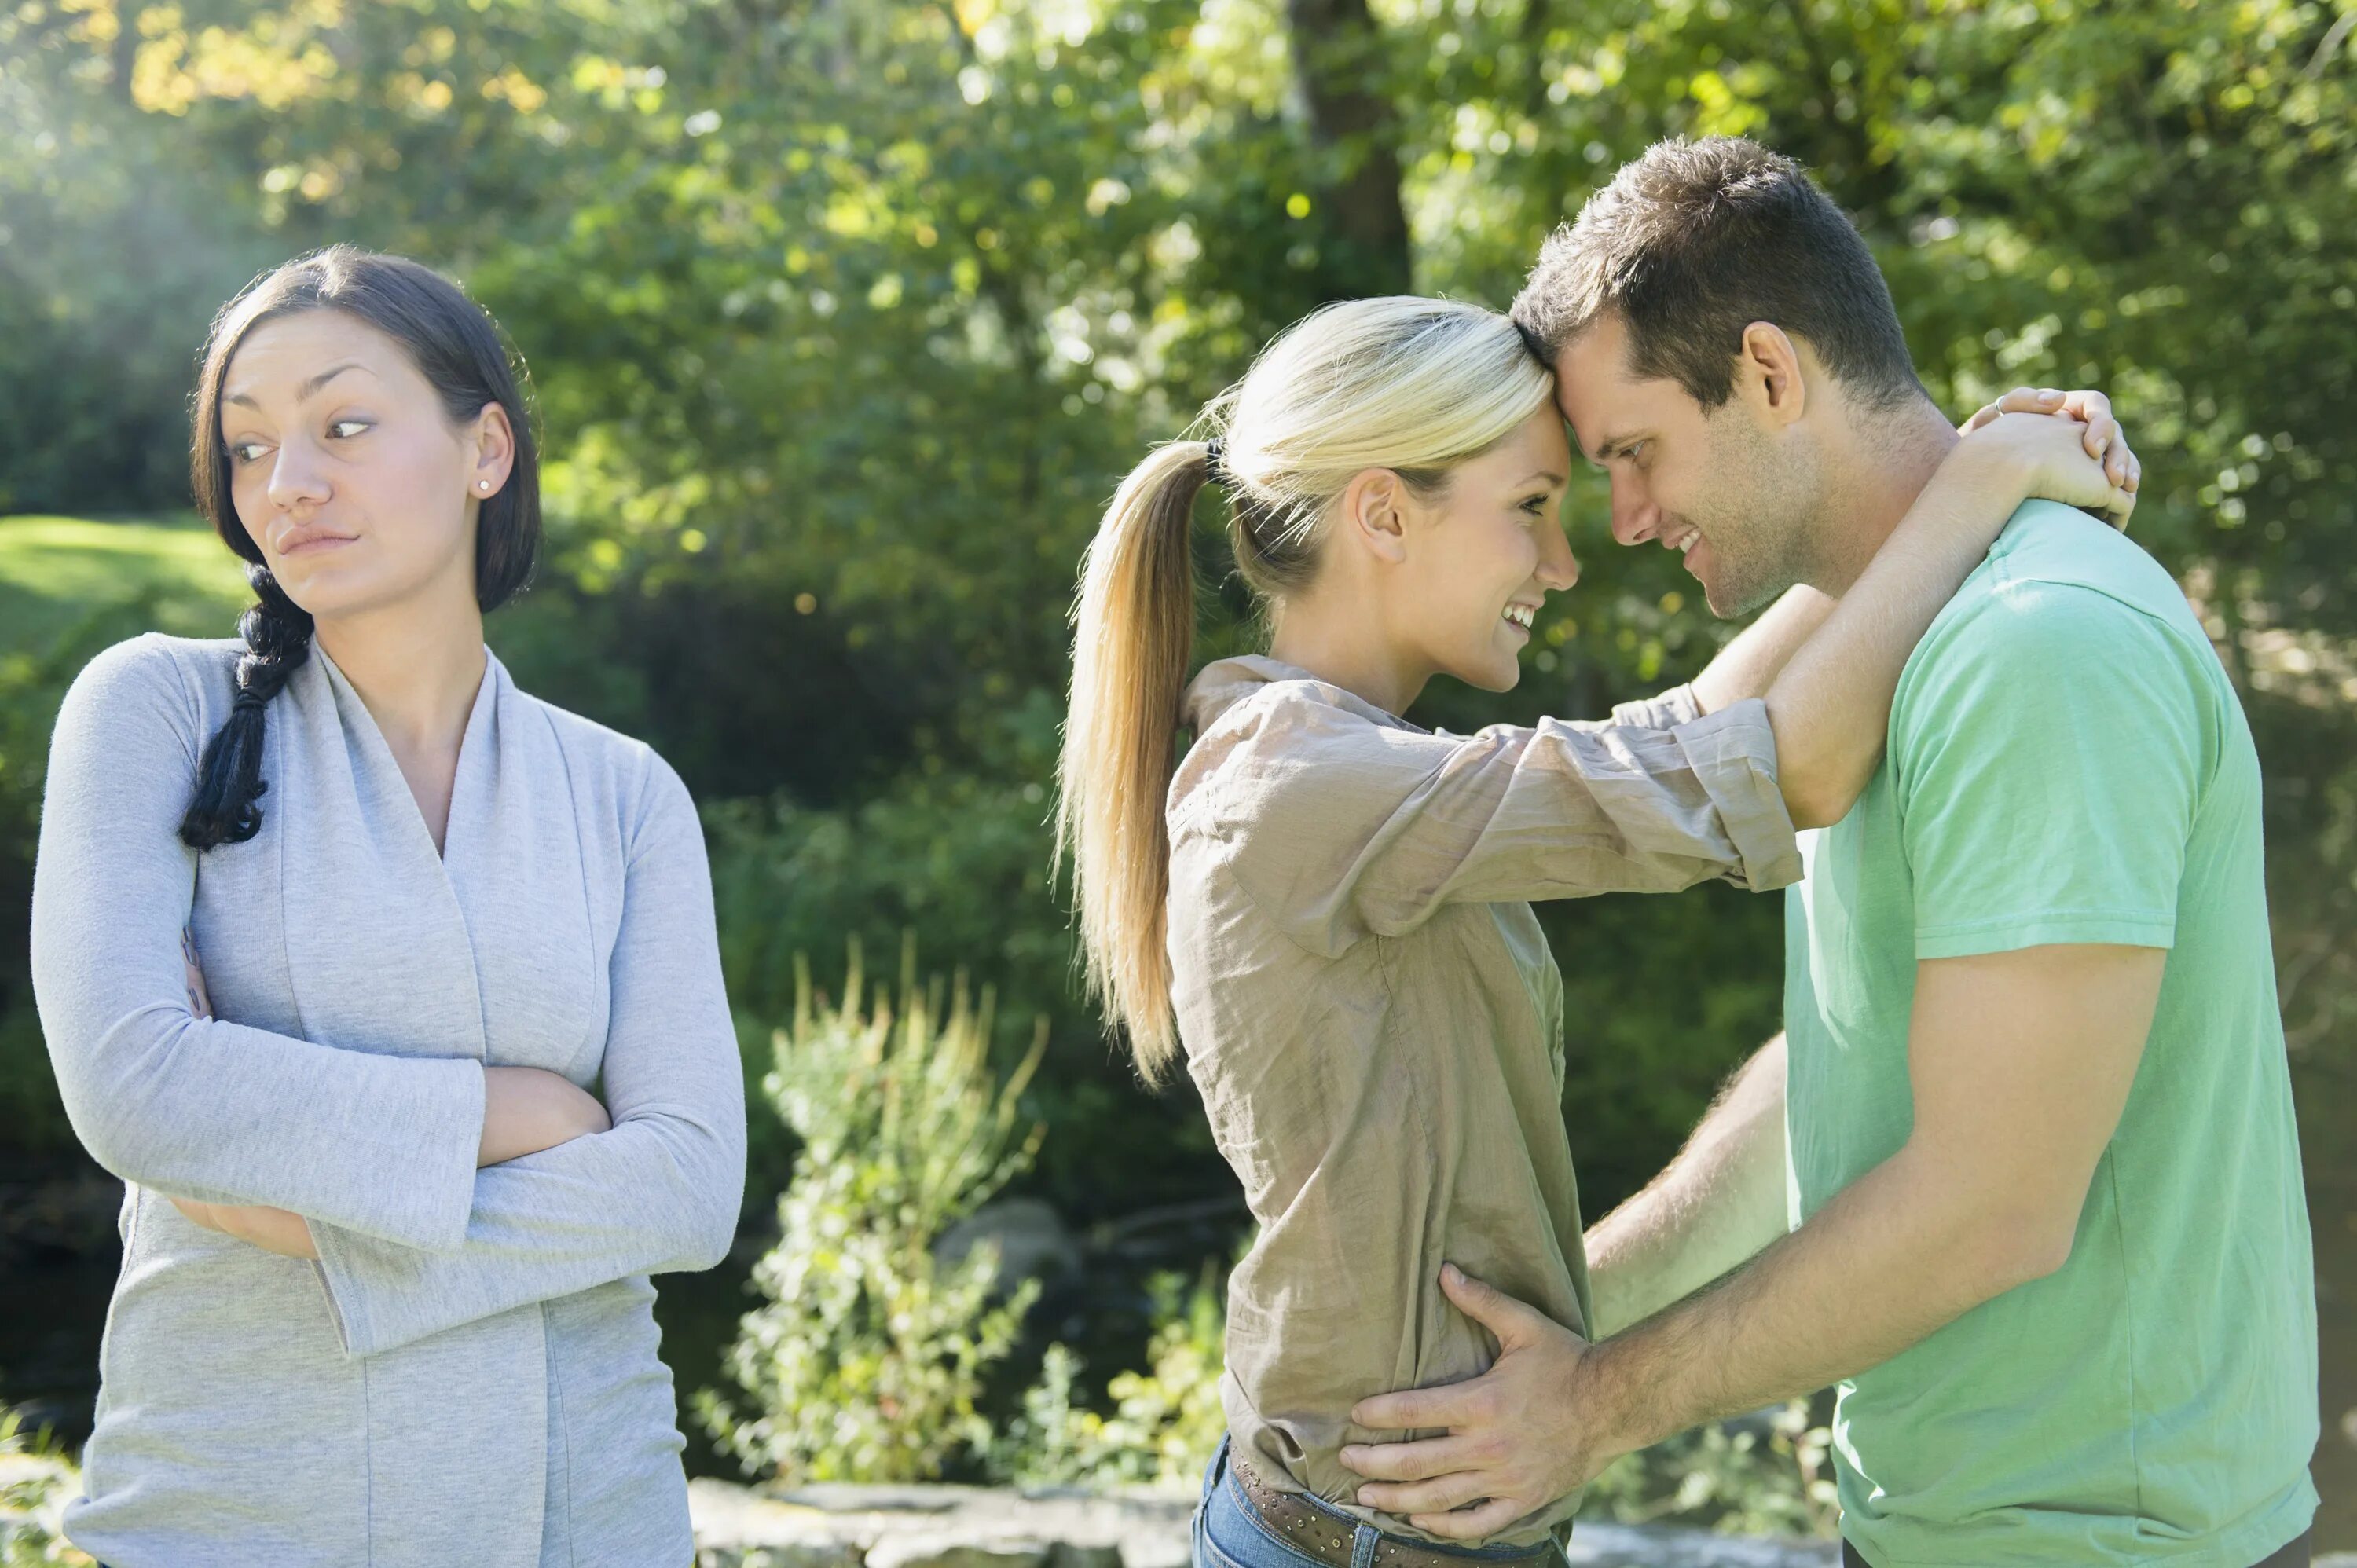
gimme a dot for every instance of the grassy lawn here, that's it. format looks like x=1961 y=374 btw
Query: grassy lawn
x=56 y=571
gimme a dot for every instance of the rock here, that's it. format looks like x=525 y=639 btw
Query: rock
x=779 y=1556
x=848 y=1497
x=949 y=1550
x=737 y=1528
x=1089 y=1557
x=1033 y=1244
x=836 y=1526
x=1650 y=1546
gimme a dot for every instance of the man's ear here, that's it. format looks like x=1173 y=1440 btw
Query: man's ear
x=1769 y=376
x=1373 y=513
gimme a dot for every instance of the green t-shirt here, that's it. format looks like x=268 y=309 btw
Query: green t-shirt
x=2068 y=763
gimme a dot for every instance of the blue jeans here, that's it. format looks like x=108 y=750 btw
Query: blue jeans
x=1229 y=1532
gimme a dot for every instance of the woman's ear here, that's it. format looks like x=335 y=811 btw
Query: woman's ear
x=1374 y=514
x=493 y=441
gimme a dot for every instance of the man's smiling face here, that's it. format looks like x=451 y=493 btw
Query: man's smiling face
x=1712 y=485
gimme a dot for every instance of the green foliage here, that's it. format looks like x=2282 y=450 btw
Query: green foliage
x=1768 y=1475
x=844 y=319
x=868 y=1360
x=1165 y=1422
x=37 y=1480
x=958 y=857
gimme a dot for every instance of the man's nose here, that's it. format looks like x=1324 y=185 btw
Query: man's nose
x=1635 y=518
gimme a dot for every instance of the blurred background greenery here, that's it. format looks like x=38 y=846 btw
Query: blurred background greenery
x=844 y=317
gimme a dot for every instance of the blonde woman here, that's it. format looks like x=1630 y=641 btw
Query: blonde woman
x=1327 y=907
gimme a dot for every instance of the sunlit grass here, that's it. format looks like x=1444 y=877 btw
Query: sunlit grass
x=54 y=571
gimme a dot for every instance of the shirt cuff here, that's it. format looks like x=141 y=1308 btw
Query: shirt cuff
x=446 y=1205
x=1676 y=706
x=1734 y=754
x=352 y=1304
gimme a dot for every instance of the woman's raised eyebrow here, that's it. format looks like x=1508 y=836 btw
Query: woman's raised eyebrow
x=307 y=388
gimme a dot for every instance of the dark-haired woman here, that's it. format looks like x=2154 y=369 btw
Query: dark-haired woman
x=384 y=1296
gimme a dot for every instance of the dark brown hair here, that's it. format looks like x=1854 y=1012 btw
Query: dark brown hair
x=1696 y=241
x=459 y=350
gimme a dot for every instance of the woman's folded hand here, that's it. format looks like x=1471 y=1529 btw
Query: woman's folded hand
x=527 y=1109
x=271 y=1230
x=2113 y=498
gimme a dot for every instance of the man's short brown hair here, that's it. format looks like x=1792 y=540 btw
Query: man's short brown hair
x=1696 y=241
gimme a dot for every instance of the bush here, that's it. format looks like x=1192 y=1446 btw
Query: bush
x=1763 y=1475
x=867 y=1361
x=1166 y=1421
x=36 y=1481
x=959 y=857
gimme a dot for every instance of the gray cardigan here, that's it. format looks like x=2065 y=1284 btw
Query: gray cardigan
x=469 y=1373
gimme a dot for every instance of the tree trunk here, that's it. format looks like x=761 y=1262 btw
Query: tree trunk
x=1337 y=53
x=123 y=53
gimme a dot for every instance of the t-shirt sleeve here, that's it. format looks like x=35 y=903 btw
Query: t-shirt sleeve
x=2047 y=756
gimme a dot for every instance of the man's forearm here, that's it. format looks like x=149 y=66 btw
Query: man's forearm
x=1891 y=1260
x=1717 y=1204
x=1750 y=665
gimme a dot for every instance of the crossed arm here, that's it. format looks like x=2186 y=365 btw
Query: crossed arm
x=432 y=1190
x=525 y=1111
x=2020 y=1064
x=567 y=1199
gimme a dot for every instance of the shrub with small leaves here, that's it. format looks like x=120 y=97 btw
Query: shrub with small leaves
x=1165 y=1422
x=1765 y=1475
x=866 y=1362
x=37 y=1480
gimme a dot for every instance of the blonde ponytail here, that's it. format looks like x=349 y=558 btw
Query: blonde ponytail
x=1415 y=385
x=1134 y=624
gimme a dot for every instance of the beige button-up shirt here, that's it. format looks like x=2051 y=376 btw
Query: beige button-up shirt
x=1375 y=1022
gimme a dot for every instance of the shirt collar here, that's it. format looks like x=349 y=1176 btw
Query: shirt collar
x=1224 y=682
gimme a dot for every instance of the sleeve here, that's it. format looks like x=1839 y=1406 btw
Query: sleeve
x=191 y=1106
x=1356 y=830
x=2048 y=764
x=659 y=1193
x=1676 y=706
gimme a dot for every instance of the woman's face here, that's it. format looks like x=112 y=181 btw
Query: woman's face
x=345 y=470
x=1488 y=552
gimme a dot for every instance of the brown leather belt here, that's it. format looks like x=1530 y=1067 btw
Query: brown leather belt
x=1316 y=1533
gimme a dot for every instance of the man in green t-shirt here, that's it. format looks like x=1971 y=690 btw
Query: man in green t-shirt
x=2021 y=1177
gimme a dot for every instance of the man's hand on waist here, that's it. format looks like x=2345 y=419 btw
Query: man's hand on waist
x=1521 y=1435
